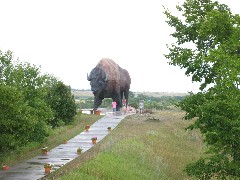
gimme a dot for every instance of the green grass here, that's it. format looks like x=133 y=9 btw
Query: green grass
x=56 y=138
x=141 y=147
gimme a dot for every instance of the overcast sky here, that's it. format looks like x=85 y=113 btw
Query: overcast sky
x=67 y=38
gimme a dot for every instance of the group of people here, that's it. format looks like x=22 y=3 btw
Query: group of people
x=128 y=108
x=114 y=105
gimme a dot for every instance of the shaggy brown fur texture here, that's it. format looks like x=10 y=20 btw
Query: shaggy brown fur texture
x=109 y=80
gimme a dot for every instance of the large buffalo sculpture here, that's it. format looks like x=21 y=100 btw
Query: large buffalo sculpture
x=109 y=80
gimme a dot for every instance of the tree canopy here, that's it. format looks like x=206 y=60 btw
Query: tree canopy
x=208 y=47
x=26 y=109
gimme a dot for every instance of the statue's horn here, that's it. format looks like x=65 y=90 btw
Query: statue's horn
x=88 y=77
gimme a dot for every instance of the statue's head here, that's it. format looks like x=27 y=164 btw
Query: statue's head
x=98 y=80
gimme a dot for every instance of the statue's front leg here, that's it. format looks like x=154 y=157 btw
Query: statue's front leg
x=97 y=103
x=119 y=102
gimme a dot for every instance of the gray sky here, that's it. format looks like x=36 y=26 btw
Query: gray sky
x=67 y=38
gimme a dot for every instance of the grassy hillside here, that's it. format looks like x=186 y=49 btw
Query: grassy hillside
x=88 y=93
x=160 y=94
x=142 y=147
x=82 y=93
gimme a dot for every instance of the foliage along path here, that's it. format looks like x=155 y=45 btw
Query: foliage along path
x=64 y=153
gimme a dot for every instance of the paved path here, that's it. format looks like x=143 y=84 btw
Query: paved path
x=64 y=153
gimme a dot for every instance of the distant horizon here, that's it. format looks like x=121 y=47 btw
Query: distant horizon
x=136 y=91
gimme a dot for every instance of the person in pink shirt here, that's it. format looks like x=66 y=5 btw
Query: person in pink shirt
x=124 y=102
x=114 y=106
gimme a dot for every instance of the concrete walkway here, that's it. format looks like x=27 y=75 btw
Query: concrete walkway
x=64 y=153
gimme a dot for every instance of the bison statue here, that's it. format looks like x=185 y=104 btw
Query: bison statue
x=109 y=80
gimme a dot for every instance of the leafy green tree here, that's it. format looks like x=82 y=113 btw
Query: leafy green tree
x=27 y=79
x=208 y=47
x=106 y=103
x=86 y=104
x=5 y=65
x=134 y=104
x=24 y=113
x=131 y=94
x=152 y=105
x=62 y=102
x=13 y=120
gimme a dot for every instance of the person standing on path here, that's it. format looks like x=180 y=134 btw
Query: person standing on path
x=141 y=106
x=114 y=106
